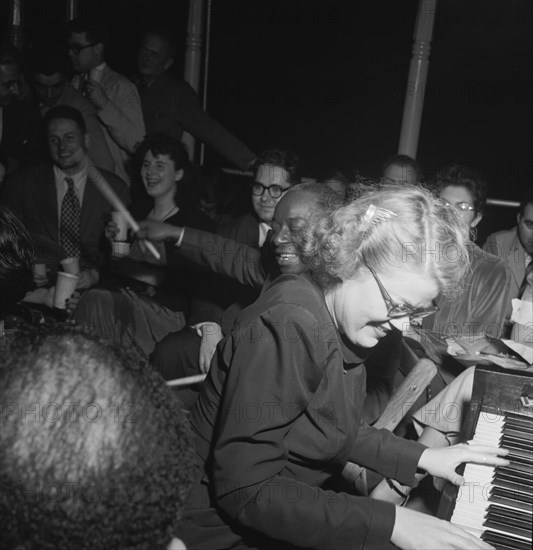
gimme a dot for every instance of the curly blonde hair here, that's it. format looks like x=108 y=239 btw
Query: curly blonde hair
x=411 y=229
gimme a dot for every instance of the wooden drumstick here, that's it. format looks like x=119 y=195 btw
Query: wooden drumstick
x=187 y=380
x=113 y=199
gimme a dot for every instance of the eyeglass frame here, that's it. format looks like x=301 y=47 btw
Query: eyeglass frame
x=76 y=49
x=269 y=189
x=460 y=206
x=402 y=310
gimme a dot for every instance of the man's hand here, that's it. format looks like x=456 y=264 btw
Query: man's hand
x=158 y=231
x=88 y=278
x=211 y=334
x=95 y=93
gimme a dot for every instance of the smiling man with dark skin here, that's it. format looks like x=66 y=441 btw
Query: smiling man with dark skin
x=173 y=357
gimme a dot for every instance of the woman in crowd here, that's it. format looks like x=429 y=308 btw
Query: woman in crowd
x=480 y=309
x=279 y=415
x=146 y=311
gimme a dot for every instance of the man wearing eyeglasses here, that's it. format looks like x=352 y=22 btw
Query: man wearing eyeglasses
x=276 y=171
x=114 y=96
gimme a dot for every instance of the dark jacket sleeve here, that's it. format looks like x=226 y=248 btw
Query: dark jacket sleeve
x=383 y=452
x=198 y=123
x=252 y=430
x=223 y=256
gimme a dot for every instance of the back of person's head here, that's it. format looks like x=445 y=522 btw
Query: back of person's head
x=94 y=29
x=95 y=450
x=282 y=158
x=410 y=170
x=16 y=260
x=65 y=112
x=463 y=176
x=398 y=226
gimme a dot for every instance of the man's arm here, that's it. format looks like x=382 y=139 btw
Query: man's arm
x=122 y=114
x=197 y=122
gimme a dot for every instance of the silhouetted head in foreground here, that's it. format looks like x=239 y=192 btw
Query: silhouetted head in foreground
x=94 y=449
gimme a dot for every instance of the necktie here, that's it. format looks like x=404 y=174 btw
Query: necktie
x=525 y=282
x=69 y=227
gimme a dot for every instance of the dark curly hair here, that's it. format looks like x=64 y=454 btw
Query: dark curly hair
x=16 y=260
x=284 y=159
x=463 y=176
x=95 y=451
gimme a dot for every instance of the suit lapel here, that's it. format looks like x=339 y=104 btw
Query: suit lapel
x=46 y=196
x=91 y=197
x=517 y=260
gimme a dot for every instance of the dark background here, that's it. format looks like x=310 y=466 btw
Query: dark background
x=327 y=78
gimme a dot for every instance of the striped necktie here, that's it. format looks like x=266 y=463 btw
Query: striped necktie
x=525 y=282
x=69 y=227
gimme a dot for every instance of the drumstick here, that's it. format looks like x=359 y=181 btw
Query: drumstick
x=187 y=380
x=113 y=199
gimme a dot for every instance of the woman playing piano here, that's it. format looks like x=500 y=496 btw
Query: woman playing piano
x=280 y=412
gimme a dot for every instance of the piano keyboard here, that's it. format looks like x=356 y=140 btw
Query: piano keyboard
x=496 y=504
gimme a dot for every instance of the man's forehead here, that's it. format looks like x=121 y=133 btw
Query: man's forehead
x=528 y=212
x=269 y=174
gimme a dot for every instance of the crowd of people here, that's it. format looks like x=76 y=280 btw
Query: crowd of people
x=293 y=307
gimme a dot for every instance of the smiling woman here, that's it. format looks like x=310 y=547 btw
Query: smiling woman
x=292 y=433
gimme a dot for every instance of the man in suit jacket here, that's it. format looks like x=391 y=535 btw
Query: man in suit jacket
x=36 y=195
x=115 y=97
x=515 y=246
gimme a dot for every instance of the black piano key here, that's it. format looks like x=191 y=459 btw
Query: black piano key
x=515 y=423
x=522 y=470
x=507 y=527
x=512 y=495
x=503 y=541
x=508 y=442
x=499 y=499
x=508 y=520
x=511 y=486
x=514 y=477
x=507 y=512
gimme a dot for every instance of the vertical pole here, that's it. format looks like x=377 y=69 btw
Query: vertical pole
x=15 y=23
x=193 y=55
x=416 y=81
x=71 y=9
x=206 y=69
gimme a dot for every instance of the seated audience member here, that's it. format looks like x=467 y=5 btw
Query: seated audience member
x=19 y=116
x=49 y=82
x=401 y=169
x=276 y=171
x=208 y=193
x=186 y=354
x=58 y=202
x=114 y=96
x=95 y=452
x=304 y=340
x=515 y=247
x=171 y=293
x=16 y=261
x=171 y=106
x=479 y=309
